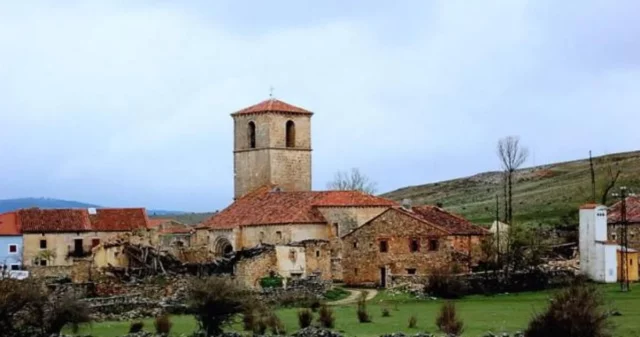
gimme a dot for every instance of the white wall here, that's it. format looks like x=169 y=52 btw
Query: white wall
x=610 y=263
x=287 y=265
x=597 y=258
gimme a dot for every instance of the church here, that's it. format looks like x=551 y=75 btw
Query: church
x=273 y=201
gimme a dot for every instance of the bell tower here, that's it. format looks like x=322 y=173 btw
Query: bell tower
x=272 y=146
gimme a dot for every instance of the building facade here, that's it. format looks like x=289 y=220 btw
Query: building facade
x=10 y=242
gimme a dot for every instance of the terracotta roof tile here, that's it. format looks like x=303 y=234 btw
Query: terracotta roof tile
x=53 y=220
x=119 y=219
x=633 y=210
x=449 y=221
x=272 y=105
x=265 y=206
x=588 y=206
x=9 y=224
x=155 y=222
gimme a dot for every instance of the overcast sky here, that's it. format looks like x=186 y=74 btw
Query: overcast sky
x=127 y=103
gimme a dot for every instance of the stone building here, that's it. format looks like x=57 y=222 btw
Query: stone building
x=58 y=237
x=633 y=217
x=408 y=242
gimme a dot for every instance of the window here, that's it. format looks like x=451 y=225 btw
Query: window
x=355 y=271
x=411 y=271
x=291 y=134
x=43 y=244
x=95 y=242
x=414 y=245
x=252 y=135
x=15 y=267
x=279 y=235
x=433 y=244
x=613 y=236
x=43 y=262
x=336 y=229
x=317 y=253
x=355 y=244
x=384 y=247
x=13 y=249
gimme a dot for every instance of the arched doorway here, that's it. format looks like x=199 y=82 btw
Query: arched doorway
x=222 y=246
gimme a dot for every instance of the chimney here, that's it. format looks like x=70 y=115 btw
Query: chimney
x=406 y=204
x=91 y=210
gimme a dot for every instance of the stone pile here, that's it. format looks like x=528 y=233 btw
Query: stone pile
x=314 y=331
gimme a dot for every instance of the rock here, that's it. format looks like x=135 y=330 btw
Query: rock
x=313 y=331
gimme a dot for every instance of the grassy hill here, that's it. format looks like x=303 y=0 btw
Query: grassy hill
x=549 y=194
x=186 y=218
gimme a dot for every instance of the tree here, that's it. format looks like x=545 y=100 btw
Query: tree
x=512 y=156
x=354 y=181
x=610 y=182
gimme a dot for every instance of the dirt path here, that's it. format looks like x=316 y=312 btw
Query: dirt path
x=354 y=296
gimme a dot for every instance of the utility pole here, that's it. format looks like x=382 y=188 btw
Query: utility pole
x=593 y=179
x=498 y=226
x=623 y=224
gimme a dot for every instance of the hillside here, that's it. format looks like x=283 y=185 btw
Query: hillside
x=8 y=205
x=544 y=194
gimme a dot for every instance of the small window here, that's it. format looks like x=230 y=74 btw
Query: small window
x=13 y=249
x=355 y=271
x=414 y=245
x=411 y=271
x=613 y=236
x=252 y=135
x=279 y=235
x=43 y=263
x=43 y=244
x=336 y=229
x=291 y=134
x=317 y=253
x=15 y=267
x=95 y=242
x=355 y=244
x=384 y=247
x=433 y=245
x=261 y=236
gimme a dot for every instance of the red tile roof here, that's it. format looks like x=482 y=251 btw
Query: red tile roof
x=9 y=224
x=53 y=220
x=273 y=105
x=455 y=224
x=155 y=222
x=633 y=210
x=266 y=207
x=588 y=206
x=119 y=219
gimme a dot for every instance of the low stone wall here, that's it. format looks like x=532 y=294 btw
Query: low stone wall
x=401 y=280
x=80 y=271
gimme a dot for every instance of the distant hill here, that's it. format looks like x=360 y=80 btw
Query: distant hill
x=548 y=194
x=186 y=218
x=8 y=205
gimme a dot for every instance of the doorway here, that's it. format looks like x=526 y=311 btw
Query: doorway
x=77 y=247
x=383 y=277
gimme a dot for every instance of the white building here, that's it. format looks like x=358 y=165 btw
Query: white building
x=598 y=259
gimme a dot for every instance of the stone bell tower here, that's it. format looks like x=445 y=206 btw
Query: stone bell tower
x=272 y=146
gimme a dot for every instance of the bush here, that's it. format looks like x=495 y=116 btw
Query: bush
x=163 y=324
x=60 y=311
x=336 y=293
x=215 y=301
x=305 y=317
x=275 y=324
x=385 y=312
x=447 y=320
x=443 y=284
x=326 y=318
x=413 y=322
x=363 y=315
x=249 y=319
x=575 y=311
x=271 y=282
x=315 y=305
x=136 y=327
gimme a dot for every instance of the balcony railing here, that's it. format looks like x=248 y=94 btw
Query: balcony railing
x=79 y=253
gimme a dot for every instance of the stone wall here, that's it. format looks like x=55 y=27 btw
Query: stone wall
x=318 y=259
x=80 y=271
x=363 y=260
x=633 y=235
x=249 y=271
x=281 y=234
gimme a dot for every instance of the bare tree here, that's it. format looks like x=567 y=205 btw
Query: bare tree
x=612 y=178
x=355 y=180
x=512 y=156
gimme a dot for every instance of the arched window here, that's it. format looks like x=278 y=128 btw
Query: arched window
x=252 y=135
x=291 y=134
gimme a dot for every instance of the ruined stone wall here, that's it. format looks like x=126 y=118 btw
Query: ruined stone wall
x=318 y=259
x=249 y=271
x=291 y=261
x=362 y=259
x=633 y=235
x=80 y=271
x=282 y=234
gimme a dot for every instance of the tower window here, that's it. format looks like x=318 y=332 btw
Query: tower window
x=433 y=245
x=384 y=246
x=414 y=245
x=291 y=134
x=252 y=135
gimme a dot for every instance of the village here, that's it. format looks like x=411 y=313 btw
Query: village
x=281 y=239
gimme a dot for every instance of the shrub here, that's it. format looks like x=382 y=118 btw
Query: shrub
x=315 y=305
x=17 y=300
x=574 y=311
x=136 y=327
x=271 y=282
x=260 y=327
x=163 y=324
x=275 y=324
x=363 y=315
x=60 y=311
x=215 y=301
x=447 y=320
x=443 y=284
x=336 y=293
x=305 y=317
x=249 y=319
x=385 y=312
x=326 y=318
x=413 y=322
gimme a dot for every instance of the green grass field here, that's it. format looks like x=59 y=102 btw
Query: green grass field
x=499 y=313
